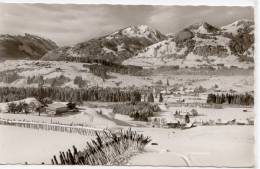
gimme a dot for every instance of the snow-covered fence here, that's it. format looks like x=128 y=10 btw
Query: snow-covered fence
x=82 y=130
x=111 y=149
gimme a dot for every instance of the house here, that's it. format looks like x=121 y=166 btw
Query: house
x=157 y=121
x=173 y=123
x=56 y=108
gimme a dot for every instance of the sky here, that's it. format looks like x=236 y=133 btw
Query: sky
x=68 y=24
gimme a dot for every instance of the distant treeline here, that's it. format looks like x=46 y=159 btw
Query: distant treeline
x=102 y=70
x=68 y=94
x=109 y=66
x=241 y=99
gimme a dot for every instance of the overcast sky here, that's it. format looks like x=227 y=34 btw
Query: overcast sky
x=68 y=24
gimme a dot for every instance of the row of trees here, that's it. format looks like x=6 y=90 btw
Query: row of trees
x=109 y=66
x=150 y=98
x=137 y=110
x=241 y=99
x=8 y=94
x=102 y=70
x=24 y=108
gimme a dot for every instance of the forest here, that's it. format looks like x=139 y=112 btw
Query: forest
x=8 y=94
x=140 y=111
x=240 y=99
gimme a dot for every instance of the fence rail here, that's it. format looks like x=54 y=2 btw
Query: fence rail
x=82 y=130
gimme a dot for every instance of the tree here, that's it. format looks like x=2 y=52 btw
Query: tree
x=150 y=98
x=19 y=107
x=26 y=108
x=40 y=81
x=39 y=109
x=160 y=98
x=46 y=100
x=71 y=105
x=168 y=83
x=32 y=106
x=12 y=107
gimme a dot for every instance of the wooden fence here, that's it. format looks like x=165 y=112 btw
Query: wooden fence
x=111 y=149
x=82 y=130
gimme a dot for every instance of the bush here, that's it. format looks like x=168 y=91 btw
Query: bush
x=150 y=98
x=46 y=100
x=194 y=112
x=12 y=107
x=20 y=107
x=79 y=81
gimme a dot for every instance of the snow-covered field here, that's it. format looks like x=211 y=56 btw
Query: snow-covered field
x=216 y=146
x=205 y=114
x=87 y=117
x=20 y=145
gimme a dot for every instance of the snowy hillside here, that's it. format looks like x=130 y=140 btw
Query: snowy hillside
x=24 y=46
x=201 y=45
x=114 y=47
x=239 y=26
x=20 y=73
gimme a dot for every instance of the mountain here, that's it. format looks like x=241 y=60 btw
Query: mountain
x=201 y=45
x=114 y=47
x=239 y=27
x=24 y=46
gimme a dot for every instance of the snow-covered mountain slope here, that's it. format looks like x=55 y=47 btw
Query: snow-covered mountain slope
x=203 y=27
x=24 y=46
x=201 y=45
x=114 y=47
x=239 y=27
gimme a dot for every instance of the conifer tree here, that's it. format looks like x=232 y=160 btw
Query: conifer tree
x=161 y=98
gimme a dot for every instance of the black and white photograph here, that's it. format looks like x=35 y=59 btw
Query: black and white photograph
x=127 y=85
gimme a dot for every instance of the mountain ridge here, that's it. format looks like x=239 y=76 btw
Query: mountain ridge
x=25 y=46
x=115 y=47
x=201 y=44
x=198 y=44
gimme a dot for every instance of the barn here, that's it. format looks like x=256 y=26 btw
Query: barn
x=56 y=108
